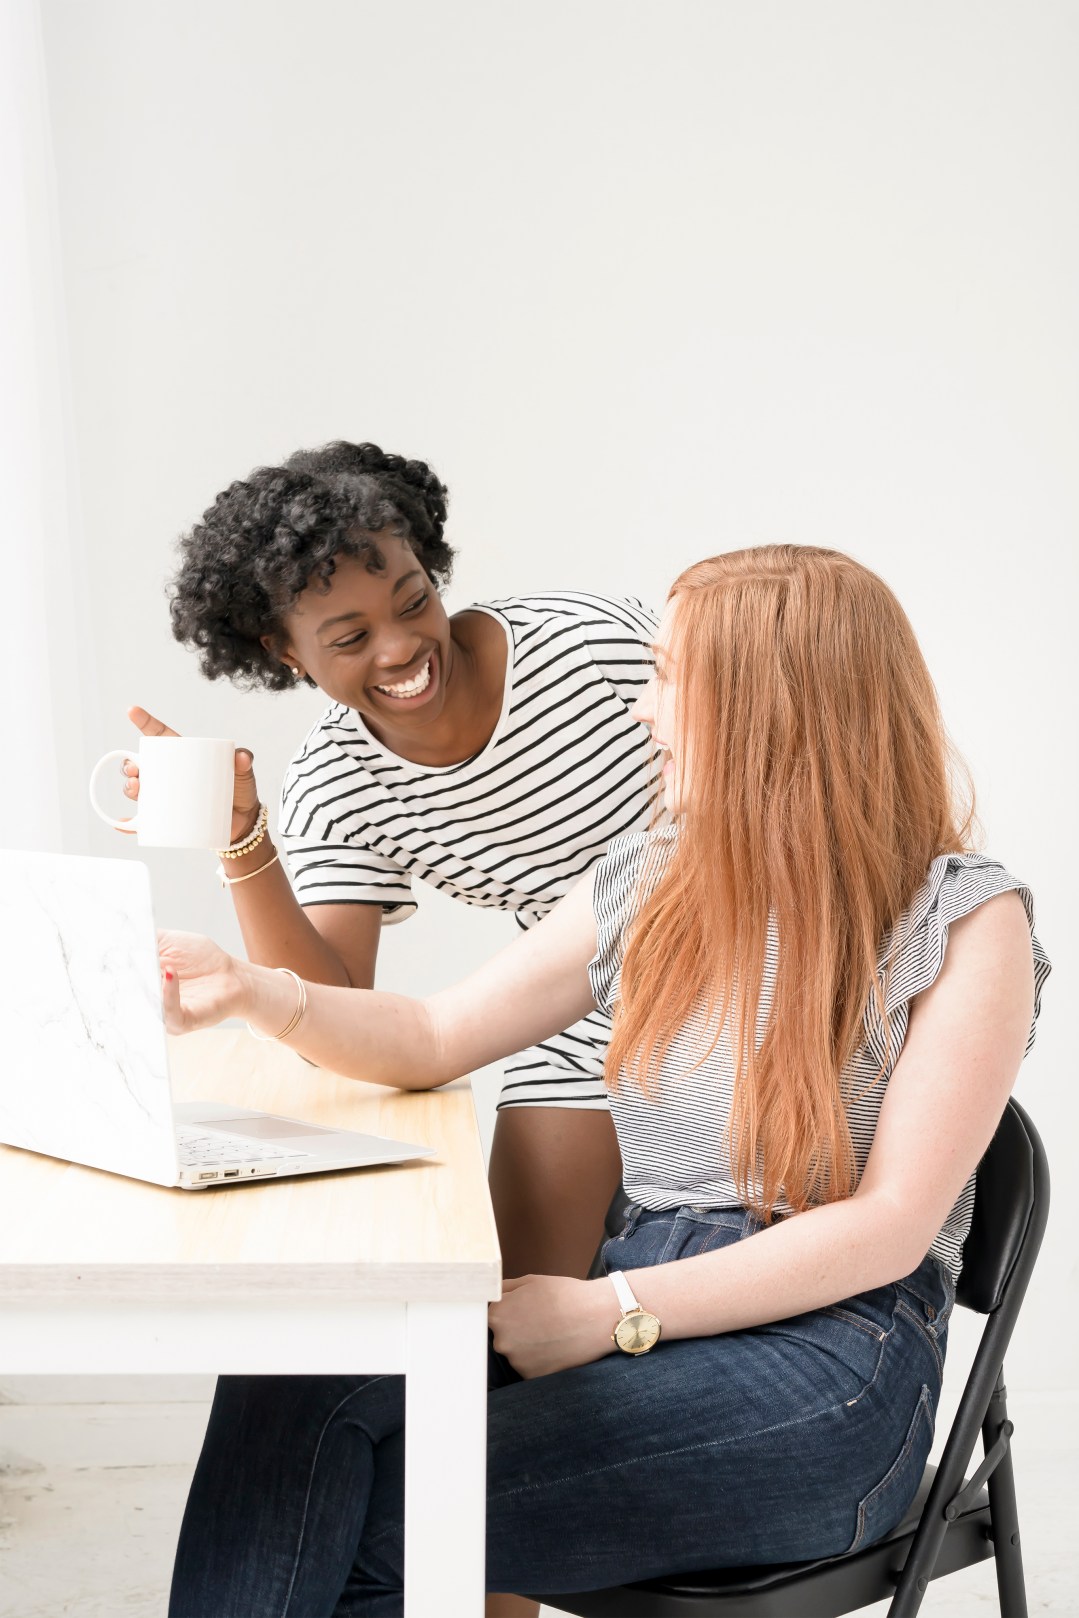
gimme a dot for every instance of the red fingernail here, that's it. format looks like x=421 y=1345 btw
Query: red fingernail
x=168 y=977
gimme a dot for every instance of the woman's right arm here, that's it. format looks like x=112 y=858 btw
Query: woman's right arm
x=534 y=988
x=340 y=948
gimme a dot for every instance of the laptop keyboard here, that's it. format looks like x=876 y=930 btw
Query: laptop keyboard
x=200 y=1149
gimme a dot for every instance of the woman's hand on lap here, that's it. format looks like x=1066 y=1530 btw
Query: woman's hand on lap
x=200 y=982
x=545 y=1323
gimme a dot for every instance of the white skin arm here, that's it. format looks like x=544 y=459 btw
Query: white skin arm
x=529 y=991
x=964 y=1044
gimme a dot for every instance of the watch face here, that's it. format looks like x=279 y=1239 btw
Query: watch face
x=637 y=1333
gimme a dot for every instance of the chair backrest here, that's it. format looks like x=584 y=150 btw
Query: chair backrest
x=1010 y=1200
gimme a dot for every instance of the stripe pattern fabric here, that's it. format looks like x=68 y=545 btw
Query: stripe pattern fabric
x=511 y=828
x=675 y=1147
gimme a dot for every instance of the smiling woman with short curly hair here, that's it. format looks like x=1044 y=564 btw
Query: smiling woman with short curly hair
x=265 y=540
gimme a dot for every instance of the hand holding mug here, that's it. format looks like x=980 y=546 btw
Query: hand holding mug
x=193 y=791
x=245 y=796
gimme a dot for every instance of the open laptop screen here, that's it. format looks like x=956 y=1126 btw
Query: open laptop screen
x=84 y=1069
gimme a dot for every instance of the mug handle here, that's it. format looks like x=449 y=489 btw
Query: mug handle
x=119 y=825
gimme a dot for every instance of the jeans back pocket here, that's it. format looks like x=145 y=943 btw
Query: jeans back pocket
x=886 y=1503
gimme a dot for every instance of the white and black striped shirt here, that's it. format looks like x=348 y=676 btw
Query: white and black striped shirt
x=675 y=1147
x=513 y=827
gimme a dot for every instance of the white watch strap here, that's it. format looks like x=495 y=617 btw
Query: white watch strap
x=623 y=1291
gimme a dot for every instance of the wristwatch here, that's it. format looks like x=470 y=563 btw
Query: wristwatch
x=637 y=1331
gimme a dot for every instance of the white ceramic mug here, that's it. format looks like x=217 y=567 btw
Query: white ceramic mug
x=185 y=791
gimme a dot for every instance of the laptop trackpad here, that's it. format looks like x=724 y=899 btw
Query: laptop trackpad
x=264 y=1127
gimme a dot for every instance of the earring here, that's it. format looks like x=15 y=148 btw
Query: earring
x=296 y=672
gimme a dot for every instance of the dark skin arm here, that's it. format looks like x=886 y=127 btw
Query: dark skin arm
x=334 y=944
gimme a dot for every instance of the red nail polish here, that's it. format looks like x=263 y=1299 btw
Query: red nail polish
x=168 y=977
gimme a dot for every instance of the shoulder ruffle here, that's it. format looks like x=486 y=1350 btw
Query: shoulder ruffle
x=955 y=886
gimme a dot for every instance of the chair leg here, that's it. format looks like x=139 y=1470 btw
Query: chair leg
x=917 y=1572
x=908 y=1600
x=911 y=1592
x=1011 y=1585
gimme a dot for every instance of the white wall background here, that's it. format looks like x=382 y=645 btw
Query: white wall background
x=643 y=282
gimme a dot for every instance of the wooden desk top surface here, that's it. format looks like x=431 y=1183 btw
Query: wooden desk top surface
x=414 y=1231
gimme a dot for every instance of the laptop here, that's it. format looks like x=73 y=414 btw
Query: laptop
x=84 y=1070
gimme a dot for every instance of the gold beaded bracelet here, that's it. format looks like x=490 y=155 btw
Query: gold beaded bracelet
x=254 y=837
x=297 y=1015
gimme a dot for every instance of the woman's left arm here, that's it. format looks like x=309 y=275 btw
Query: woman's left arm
x=530 y=990
x=965 y=1040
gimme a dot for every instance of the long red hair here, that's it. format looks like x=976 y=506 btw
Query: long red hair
x=821 y=787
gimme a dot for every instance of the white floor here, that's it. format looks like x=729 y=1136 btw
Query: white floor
x=91 y=1496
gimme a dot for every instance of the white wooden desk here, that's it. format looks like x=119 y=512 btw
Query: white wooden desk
x=384 y=1269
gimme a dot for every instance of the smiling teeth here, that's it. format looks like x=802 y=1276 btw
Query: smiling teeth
x=411 y=688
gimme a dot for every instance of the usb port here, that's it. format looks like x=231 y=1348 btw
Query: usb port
x=231 y=1174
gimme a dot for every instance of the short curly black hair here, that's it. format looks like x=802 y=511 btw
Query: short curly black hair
x=264 y=540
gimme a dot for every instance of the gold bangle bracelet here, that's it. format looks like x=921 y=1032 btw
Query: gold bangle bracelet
x=231 y=881
x=294 y=1021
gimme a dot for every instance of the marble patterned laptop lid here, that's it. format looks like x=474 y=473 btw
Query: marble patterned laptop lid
x=83 y=1061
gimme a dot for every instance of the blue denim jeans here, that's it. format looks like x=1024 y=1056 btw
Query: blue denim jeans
x=798 y=1439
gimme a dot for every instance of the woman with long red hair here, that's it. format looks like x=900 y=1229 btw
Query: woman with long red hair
x=821 y=999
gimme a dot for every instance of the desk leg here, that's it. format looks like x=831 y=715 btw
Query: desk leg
x=445 y=1459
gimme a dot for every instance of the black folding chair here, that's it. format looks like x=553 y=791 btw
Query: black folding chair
x=954 y=1521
